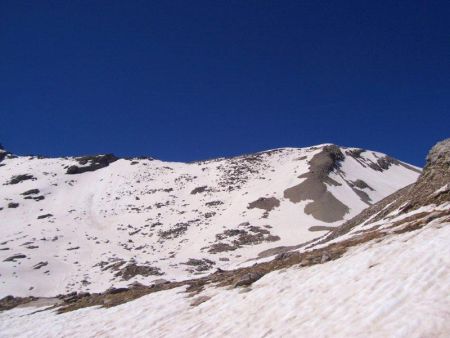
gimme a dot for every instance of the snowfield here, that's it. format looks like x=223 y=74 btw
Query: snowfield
x=65 y=228
x=396 y=287
x=383 y=273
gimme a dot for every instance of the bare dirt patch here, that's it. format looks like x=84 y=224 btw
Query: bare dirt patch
x=325 y=206
x=265 y=203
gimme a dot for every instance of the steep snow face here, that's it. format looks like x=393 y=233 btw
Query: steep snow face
x=86 y=224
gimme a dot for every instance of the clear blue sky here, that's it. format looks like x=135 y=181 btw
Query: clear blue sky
x=186 y=80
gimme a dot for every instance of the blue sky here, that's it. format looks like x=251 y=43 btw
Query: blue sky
x=187 y=80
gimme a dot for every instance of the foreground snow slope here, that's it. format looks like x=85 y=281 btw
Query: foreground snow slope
x=397 y=287
x=85 y=224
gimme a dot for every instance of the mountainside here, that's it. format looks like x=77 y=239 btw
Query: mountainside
x=93 y=222
x=383 y=273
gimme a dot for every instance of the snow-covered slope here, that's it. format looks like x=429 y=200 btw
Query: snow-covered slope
x=397 y=287
x=383 y=273
x=86 y=224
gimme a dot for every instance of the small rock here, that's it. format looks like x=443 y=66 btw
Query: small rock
x=113 y=290
x=199 y=190
x=14 y=257
x=44 y=216
x=325 y=258
x=248 y=279
x=199 y=300
x=30 y=192
x=40 y=265
x=160 y=281
x=20 y=178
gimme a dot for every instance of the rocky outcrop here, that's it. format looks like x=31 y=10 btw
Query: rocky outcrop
x=3 y=152
x=44 y=216
x=431 y=188
x=13 y=258
x=326 y=161
x=10 y=302
x=435 y=176
x=380 y=164
x=40 y=265
x=132 y=269
x=91 y=163
x=200 y=265
x=199 y=190
x=248 y=279
x=438 y=162
x=20 y=178
x=30 y=192
x=245 y=234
